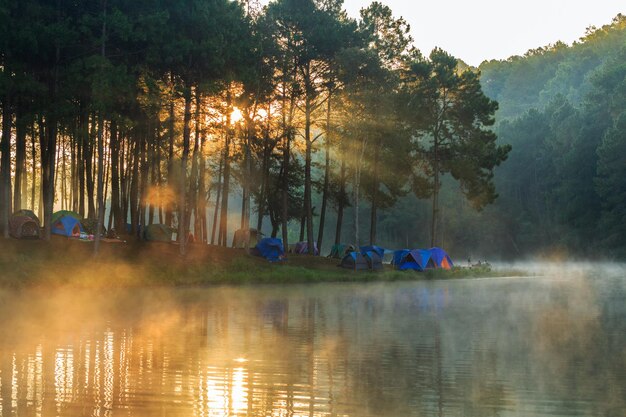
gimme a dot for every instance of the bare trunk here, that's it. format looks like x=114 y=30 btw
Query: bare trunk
x=435 y=207
x=20 y=163
x=226 y=186
x=5 y=166
x=100 y=184
x=308 y=191
x=170 y=157
x=182 y=202
x=340 y=208
x=193 y=183
x=217 y=200
x=357 y=186
x=375 y=191
x=320 y=233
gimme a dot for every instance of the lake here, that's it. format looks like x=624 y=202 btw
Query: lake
x=537 y=346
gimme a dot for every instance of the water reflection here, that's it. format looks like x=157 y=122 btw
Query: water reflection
x=463 y=348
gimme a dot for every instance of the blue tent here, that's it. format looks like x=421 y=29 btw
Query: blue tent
x=416 y=259
x=380 y=251
x=67 y=225
x=374 y=261
x=271 y=249
x=441 y=258
x=398 y=255
x=355 y=261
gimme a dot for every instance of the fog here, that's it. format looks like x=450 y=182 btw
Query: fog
x=549 y=343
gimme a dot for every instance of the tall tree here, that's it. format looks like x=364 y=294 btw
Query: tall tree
x=451 y=120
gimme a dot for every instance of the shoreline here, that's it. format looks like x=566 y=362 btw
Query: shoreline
x=63 y=262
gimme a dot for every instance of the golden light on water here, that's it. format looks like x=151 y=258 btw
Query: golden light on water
x=216 y=358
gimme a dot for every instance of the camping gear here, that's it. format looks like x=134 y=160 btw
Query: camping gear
x=157 y=233
x=380 y=251
x=374 y=260
x=354 y=261
x=23 y=227
x=66 y=225
x=416 y=260
x=91 y=226
x=339 y=250
x=303 y=248
x=271 y=249
x=441 y=258
x=243 y=236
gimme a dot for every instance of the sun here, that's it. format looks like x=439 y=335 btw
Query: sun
x=236 y=115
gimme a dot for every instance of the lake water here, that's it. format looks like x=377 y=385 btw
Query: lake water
x=540 y=346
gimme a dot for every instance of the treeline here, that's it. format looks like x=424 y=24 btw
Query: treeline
x=563 y=110
x=160 y=111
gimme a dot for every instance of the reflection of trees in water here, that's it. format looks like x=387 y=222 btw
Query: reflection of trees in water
x=578 y=343
x=420 y=350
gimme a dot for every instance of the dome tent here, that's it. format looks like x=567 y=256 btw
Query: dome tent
x=416 y=259
x=355 y=261
x=65 y=224
x=441 y=258
x=23 y=226
x=157 y=233
x=271 y=249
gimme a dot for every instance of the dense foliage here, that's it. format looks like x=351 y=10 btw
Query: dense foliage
x=155 y=111
x=562 y=109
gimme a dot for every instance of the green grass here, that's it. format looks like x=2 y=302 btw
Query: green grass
x=67 y=263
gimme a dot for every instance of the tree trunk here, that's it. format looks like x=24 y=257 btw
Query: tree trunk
x=193 y=182
x=217 y=198
x=88 y=160
x=357 y=186
x=435 y=207
x=33 y=167
x=144 y=171
x=375 y=191
x=116 y=212
x=5 y=165
x=170 y=157
x=265 y=172
x=48 y=156
x=320 y=233
x=340 y=208
x=202 y=197
x=20 y=162
x=182 y=202
x=133 y=202
x=226 y=183
x=81 y=164
x=245 y=223
x=308 y=206
x=100 y=184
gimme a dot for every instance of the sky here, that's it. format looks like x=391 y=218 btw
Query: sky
x=478 y=30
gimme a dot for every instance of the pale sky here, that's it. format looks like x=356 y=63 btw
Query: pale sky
x=478 y=30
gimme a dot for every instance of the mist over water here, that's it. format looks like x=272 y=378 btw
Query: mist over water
x=551 y=344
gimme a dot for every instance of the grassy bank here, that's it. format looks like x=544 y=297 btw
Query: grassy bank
x=68 y=262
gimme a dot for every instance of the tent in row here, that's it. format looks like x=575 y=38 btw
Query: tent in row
x=243 y=237
x=67 y=223
x=421 y=259
x=24 y=224
x=270 y=248
x=370 y=260
x=303 y=248
x=339 y=250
